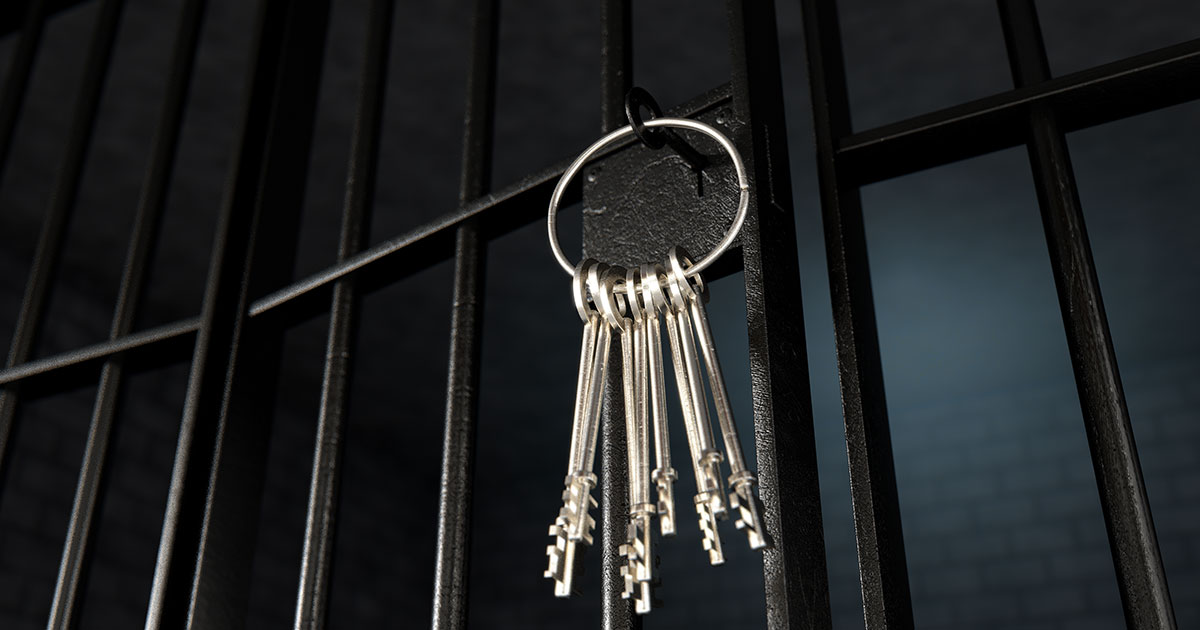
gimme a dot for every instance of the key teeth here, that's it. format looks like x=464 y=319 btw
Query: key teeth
x=710 y=538
x=710 y=466
x=562 y=556
x=642 y=594
x=666 y=501
x=637 y=570
x=748 y=510
x=577 y=503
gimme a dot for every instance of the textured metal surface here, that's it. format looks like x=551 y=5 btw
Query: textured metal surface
x=62 y=203
x=1109 y=92
x=133 y=279
x=689 y=209
x=201 y=576
x=19 y=70
x=794 y=570
x=616 y=79
x=312 y=599
x=883 y=571
x=1134 y=544
x=615 y=613
x=450 y=600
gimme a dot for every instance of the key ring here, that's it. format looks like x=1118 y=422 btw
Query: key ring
x=622 y=133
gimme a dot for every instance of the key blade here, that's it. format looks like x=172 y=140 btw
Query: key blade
x=637 y=570
x=710 y=468
x=577 y=503
x=748 y=509
x=664 y=480
x=710 y=538
x=561 y=556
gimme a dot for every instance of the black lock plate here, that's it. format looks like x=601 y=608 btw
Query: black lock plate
x=640 y=202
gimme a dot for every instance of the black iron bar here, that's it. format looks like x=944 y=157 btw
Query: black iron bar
x=145 y=230
x=452 y=572
x=887 y=602
x=1109 y=92
x=616 y=62
x=1141 y=578
x=498 y=213
x=616 y=79
x=201 y=578
x=312 y=601
x=176 y=335
x=794 y=570
x=19 y=71
x=58 y=215
x=392 y=260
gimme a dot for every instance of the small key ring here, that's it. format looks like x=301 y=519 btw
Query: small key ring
x=633 y=282
x=612 y=308
x=579 y=288
x=598 y=146
x=680 y=289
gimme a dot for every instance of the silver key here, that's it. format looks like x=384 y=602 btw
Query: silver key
x=642 y=510
x=574 y=524
x=709 y=500
x=664 y=475
x=624 y=316
x=742 y=498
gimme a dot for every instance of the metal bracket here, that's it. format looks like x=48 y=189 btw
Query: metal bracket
x=690 y=208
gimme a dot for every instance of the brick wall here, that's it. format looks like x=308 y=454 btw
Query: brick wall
x=1002 y=519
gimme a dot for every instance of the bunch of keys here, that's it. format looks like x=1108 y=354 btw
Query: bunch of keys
x=632 y=304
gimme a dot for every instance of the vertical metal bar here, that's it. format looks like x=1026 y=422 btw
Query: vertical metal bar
x=616 y=79
x=615 y=613
x=141 y=246
x=58 y=214
x=616 y=61
x=201 y=578
x=794 y=570
x=17 y=82
x=1132 y=539
x=450 y=601
x=312 y=601
x=887 y=603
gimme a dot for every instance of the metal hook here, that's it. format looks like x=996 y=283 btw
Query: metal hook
x=656 y=138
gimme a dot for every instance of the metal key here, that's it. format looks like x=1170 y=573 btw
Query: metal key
x=573 y=525
x=742 y=498
x=709 y=500
x=664 y=475
x=616 y=310
x=642 y=510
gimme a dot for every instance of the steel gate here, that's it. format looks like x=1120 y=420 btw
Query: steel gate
x=202 y=574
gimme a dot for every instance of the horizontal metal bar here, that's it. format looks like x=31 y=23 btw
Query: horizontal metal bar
x=499 y=212
x=1109 y=92
x=181 y=331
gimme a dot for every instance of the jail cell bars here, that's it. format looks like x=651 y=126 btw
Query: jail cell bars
x=202 y=571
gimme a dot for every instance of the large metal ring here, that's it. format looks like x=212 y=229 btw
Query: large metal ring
x=620 y=134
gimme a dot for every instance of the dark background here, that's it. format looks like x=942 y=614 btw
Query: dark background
x=1001 y=517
